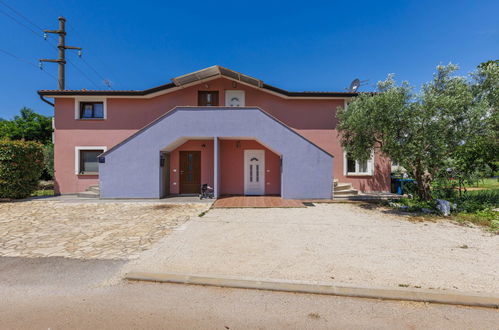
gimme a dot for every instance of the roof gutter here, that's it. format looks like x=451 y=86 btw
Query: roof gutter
x=45 y=100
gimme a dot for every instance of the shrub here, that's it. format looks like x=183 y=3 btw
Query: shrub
x=473 y=201
x=48 y=162
x=21 y=164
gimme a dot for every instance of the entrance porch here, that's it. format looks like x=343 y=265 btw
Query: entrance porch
x=242 y=166
x=256 y=202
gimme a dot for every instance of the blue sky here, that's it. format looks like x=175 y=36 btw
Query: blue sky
x=312 y=45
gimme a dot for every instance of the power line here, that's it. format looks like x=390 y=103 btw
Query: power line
x=18 y=13
x=48 y=41
x=71 y=26
x=23 y=60
x=82 y=73
x=96 y=72
x=20 y=23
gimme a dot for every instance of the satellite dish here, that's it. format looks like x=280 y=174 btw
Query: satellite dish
x=354 y=85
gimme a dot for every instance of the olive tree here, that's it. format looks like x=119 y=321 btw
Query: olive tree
x=423 y=130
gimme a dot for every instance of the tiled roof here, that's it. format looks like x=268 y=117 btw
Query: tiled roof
x=193 y=77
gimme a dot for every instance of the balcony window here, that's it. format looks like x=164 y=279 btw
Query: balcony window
x=207 y=98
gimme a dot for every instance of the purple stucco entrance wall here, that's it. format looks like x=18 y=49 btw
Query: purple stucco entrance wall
x=132 y=168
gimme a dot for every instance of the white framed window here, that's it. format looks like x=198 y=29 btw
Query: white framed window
x=352 y=167
x=86 y=162
x=90 y=108
x=234 y=98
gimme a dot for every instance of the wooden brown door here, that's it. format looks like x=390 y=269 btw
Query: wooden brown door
x=190 y=172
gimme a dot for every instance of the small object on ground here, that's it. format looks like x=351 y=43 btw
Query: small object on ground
x=206 y=191
x=404 y=285
x=443 y=207
x=399 y=206
x=464 y=246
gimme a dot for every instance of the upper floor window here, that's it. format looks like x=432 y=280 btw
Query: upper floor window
x=91 y=110
x=207 y=98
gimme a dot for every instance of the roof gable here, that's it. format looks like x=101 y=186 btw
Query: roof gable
x=197 y=77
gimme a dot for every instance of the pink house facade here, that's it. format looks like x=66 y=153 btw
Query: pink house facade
x=92 y=128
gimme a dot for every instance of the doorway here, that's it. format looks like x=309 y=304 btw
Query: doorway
x=190 y=172
x=254 y=172
x=164 y=163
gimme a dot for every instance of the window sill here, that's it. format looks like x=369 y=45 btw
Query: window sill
x=88 y=174
x=359 y=174
x=91 y=119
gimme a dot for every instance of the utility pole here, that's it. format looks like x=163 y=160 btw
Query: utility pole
x=62 y=50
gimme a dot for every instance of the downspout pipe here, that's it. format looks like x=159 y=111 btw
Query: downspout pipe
x=45 y=100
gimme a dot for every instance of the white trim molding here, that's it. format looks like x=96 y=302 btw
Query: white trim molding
x=79 y=99
x=370 y=166
x=77 y=155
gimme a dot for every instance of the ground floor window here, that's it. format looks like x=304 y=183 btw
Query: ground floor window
x=86 y=161
x=358 y=167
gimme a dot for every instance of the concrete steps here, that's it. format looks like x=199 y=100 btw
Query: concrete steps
x=94 y=189
x=90 y=192
x=343 y=190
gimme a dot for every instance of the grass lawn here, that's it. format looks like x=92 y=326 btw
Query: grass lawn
x=489 y=183
x=474 y=206
x=47 y=192
x=488 y=219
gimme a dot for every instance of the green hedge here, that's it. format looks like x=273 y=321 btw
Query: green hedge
x=21 y=164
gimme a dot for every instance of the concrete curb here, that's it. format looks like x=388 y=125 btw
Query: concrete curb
x=434 y=296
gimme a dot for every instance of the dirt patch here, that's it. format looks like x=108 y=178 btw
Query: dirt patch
x=339 y=243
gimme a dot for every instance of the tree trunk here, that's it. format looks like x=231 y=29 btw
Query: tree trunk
x=423 y=180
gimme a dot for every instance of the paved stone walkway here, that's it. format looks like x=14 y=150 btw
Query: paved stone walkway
x=87 y=230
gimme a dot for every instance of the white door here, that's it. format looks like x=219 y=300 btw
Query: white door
x=234 y=98
x=254 y=172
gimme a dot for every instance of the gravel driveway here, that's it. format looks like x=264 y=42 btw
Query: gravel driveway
x=89 y=230
x=337 y=243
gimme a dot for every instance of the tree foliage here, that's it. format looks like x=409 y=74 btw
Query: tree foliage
x=447 y=124
x=28 y=126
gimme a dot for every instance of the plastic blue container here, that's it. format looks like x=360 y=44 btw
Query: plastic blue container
x=398 y=185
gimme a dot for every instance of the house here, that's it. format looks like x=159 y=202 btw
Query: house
x=216 y=126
